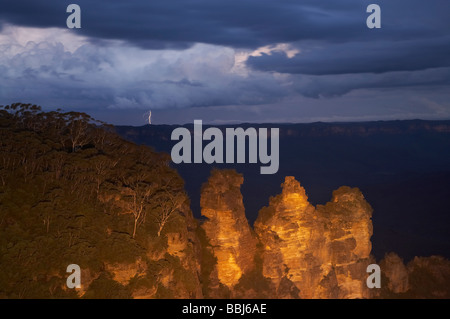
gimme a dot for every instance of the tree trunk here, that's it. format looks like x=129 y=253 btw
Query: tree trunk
x=135 y=225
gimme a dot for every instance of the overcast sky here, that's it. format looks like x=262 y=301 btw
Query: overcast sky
x=226 y=61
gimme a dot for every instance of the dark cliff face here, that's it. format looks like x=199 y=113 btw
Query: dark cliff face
x=421 y=278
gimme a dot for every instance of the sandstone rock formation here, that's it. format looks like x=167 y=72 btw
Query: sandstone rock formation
x=170 y=267
x=291 y=233
x=323 y=251
x=348 y=224
x=123 y=272
x=422 y=277
x=177 y=260
x=396 y=273
x=231 y=239
x=296 y=250
x=429 y=277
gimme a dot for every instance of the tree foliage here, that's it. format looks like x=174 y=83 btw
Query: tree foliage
x=73 y=191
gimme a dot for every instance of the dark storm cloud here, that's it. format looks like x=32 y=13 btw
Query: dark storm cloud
x=165 y=24
x=359 y=57
x=414 y=34
x=340 y=84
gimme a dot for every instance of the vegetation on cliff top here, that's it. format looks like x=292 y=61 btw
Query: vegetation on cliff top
x=72 y=191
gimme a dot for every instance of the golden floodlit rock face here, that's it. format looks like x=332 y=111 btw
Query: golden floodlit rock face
x=347 y=219
x=227 y=229
x=290 y=232
x=323 y=251
x=123 y=272
x=295 y=250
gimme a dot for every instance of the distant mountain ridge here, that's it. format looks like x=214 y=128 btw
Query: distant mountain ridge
x=304 y=129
